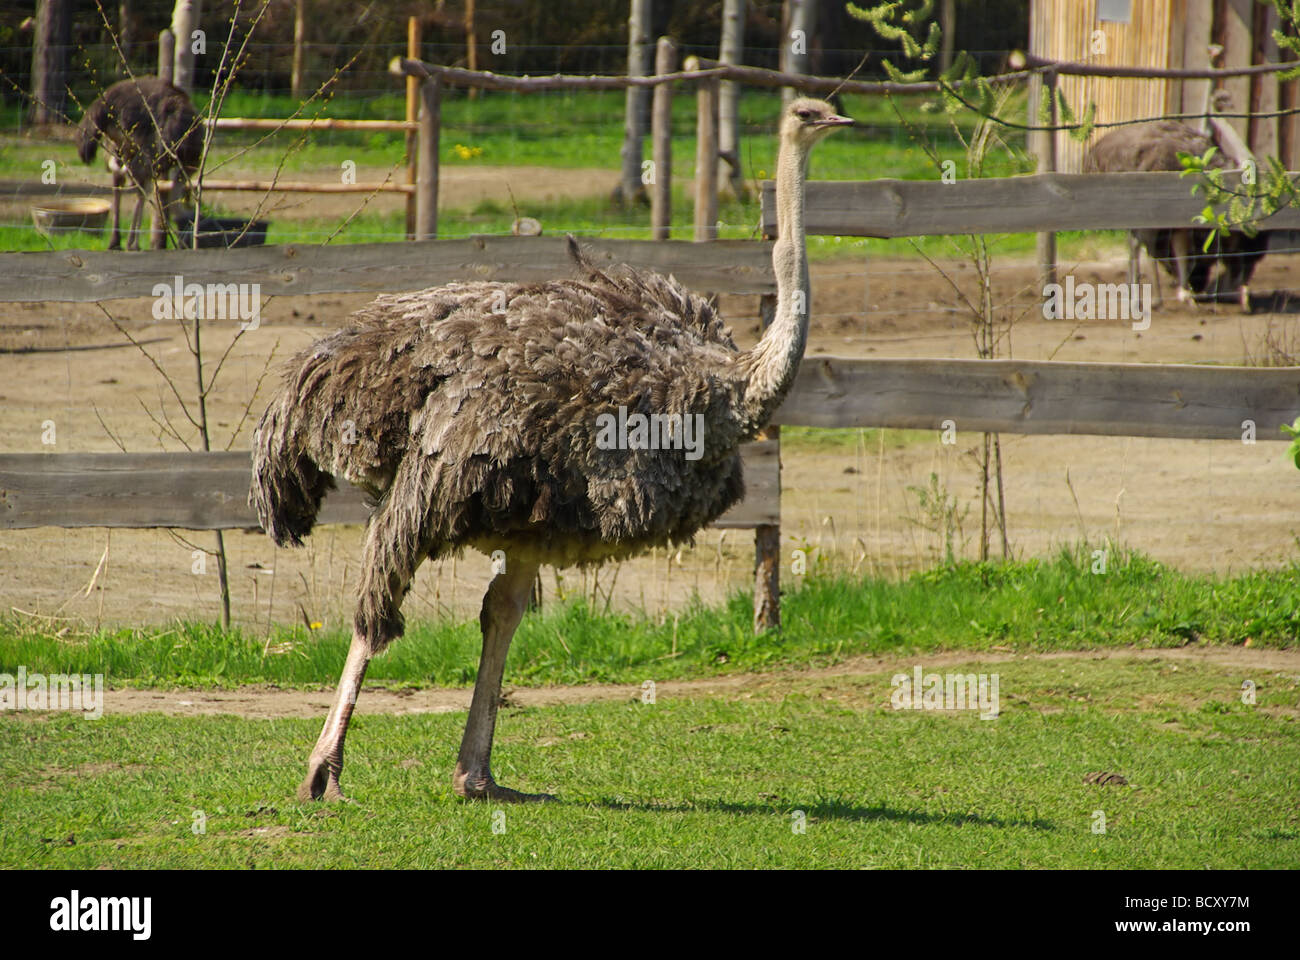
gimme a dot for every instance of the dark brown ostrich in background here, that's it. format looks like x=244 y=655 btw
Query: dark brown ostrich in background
x=1155 y=146
x=469 y=412
x=149 y=129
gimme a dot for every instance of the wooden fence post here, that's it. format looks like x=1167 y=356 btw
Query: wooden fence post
x=426 y=182
x=767 y=536
x=1238 y=50
x=661 y=132
x=166 y=55
x=412 y=112
x=471 y=45
x=1264 y=130
x=706 y=161
x=1046 y=243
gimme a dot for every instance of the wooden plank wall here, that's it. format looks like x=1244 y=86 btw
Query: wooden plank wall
x=1145 y=42
x=1171 y=34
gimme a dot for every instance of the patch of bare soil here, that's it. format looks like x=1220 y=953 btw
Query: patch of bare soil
x=261 y=702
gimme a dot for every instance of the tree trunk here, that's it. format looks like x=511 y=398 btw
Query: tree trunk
x=634 y=112
x=185 y=20
x=166 y=55
x=798 y=23
x=299 y=35
x=124 y=36
x=50 y=49
x=948 y=24
x=731 y=51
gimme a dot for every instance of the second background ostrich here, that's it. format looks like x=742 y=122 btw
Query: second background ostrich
x=1155 y=146
x=149 y=129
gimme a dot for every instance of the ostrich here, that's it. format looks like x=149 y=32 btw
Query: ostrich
x=472 y=414
x=148 y=128
x=1155 y=146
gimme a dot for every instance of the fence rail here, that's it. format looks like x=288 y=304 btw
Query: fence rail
x=1038 y=203
x=726 y=266
x=1180 y=401
x=209 y=491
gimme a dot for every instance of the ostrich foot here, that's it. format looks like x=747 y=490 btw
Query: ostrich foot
x=1186 y=296
x=483 y=787
x=321 y=782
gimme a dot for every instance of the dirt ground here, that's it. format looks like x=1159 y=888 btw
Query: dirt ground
x=1200 y=505
x=266 y=702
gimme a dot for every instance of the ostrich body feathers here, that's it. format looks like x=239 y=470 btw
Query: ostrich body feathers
x=469 y=413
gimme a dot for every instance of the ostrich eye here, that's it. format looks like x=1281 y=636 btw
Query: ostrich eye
x=804 y=114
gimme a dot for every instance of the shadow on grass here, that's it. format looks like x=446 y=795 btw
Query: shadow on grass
x=822 y=809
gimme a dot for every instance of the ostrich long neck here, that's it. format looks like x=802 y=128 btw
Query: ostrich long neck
x=772 y=364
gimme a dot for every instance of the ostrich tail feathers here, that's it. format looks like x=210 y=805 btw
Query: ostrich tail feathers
x=287 y=486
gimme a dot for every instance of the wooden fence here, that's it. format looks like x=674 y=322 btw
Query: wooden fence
x=207 y=491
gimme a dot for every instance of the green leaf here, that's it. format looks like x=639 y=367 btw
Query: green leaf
x=1293 y=431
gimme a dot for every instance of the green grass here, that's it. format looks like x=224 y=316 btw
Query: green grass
x=838 y=440
x=1041 y=605
x=584 y=129
x=697 y=782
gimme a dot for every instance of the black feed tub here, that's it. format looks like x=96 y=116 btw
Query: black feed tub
x=219 y=231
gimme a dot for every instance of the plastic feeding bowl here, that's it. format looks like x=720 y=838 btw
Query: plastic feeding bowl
x=64 y=216
x=219 y=231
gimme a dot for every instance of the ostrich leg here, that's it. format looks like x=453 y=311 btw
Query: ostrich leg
x=133 y=238
x=387 y=565
x=158 y=233
x=1181 y=244
x=1134 y=259
x=503 y=608
x=119 y=181
x=326 y=763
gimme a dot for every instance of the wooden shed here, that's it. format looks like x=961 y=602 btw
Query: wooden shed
x=1169 y=34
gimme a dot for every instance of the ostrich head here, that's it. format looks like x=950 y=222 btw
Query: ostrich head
x=806 y=121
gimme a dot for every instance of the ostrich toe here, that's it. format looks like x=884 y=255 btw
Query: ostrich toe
x=484 y=787
x=321 y=782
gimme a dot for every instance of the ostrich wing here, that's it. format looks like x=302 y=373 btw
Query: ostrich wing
x=476 y=405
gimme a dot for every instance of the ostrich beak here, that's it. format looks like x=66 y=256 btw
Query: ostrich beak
x=835 y=121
